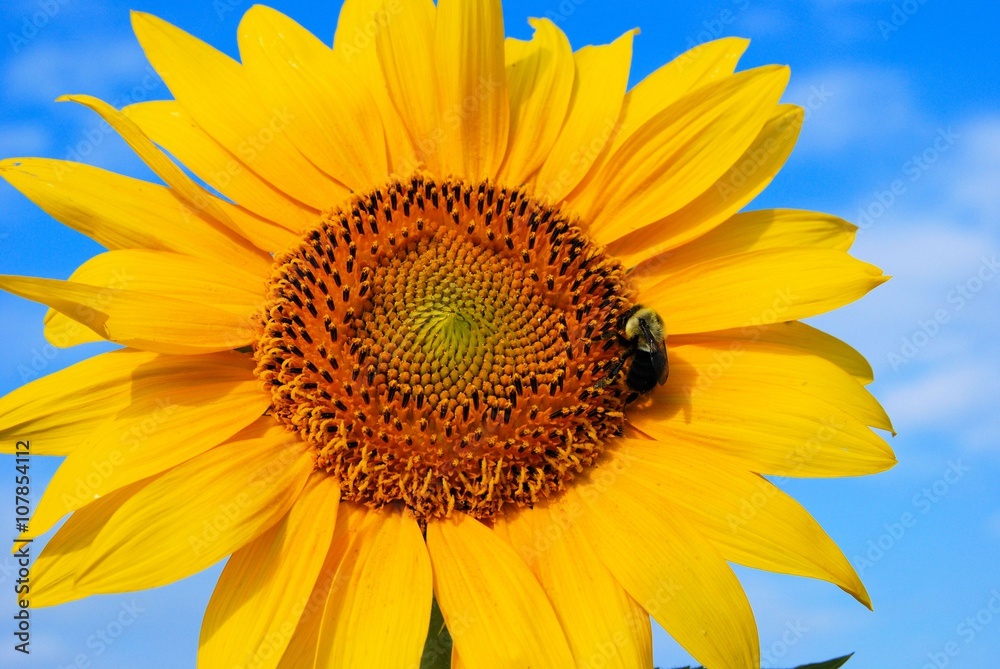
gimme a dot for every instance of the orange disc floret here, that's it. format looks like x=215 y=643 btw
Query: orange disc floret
x=443 y=345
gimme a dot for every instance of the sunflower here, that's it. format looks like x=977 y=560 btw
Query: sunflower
x=403 y=354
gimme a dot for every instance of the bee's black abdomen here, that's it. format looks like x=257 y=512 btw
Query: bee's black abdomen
x=642 y=374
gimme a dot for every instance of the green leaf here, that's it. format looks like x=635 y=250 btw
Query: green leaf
x=437 y=648
x=829 y=664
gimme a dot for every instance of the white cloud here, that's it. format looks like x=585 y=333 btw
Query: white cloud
x=930 y=333
x=993 y=524
x=103 y=68
x=851 y=106
x=764 y=21
x=926 y=251
x=24 y=139
x=930 y=260
x=943 y=397
x=114 y=70
x=842 y=21
x=847 y=21
x=976 y=189
x=984 y=435
x=47 y=648
x=940 y=231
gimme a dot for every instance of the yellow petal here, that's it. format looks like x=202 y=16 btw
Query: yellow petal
x=378 y=612
x=679 y=153
x=198 y=512
x=266 y=235
x=139 y=320
x=469 y=53
x=301 y=650
x=598 y=91
x=758 y=288
x=300 y=653
x=354 y=45
x=358 y=23
x=178 y=407
x=53 y=573
x=163 y=166
x=727 y=399
x=215 y=90
x=540 y=82
x=218 y=284
x=799 y=337
x=768 y=364
x=747 y=232
x=692 y=69
x=752 y=522
x=193 y=196
x=746 y=179
x=119 y=212
x=334 y=125
x=59 y=411
x=259 y=598
x=603 y=624
x=63 y=331
x=405 y=47
x=169 y=125
x=672 y=571
x=171 y=275
x=495 y=609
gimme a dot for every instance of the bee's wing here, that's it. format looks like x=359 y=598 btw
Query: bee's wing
x=658 y=352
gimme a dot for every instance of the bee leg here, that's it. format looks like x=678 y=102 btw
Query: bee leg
x=616 y=368
x=606 y=339
x=612 y=337
x=612 y=375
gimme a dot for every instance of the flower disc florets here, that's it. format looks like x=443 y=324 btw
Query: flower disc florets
x=443 y=345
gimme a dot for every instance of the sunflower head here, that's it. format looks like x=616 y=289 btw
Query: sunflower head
x=446 y=345
x=416 y=352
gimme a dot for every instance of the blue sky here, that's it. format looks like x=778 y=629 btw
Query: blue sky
x=902 y=136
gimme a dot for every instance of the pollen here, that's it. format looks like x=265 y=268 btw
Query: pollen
x=446 y=346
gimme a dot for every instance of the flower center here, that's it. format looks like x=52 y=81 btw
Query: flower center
x=446 y=346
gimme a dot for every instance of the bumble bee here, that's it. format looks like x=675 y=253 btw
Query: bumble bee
x=644 y=334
